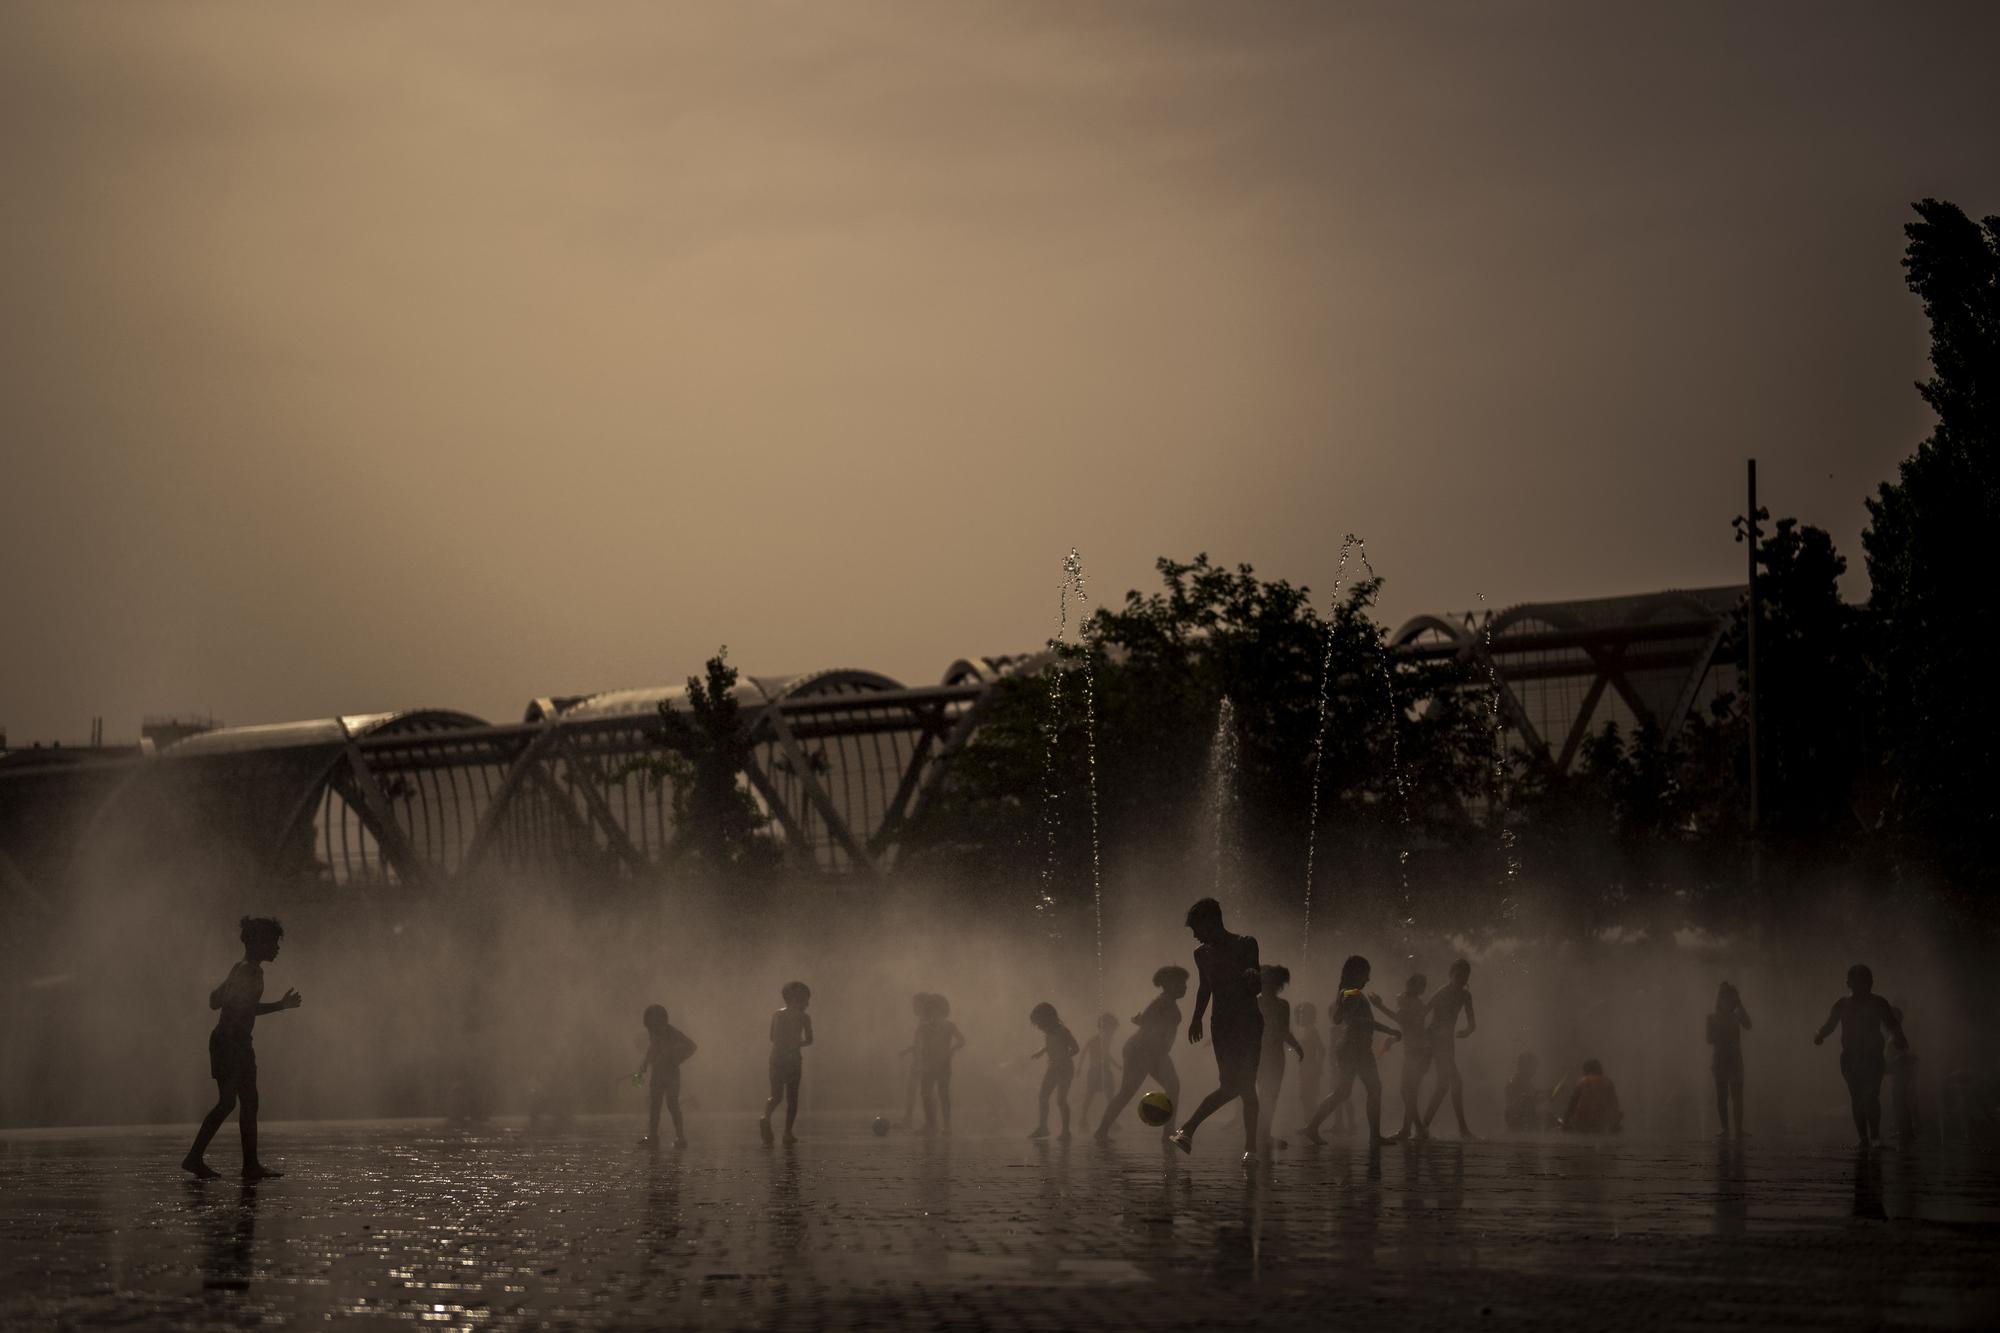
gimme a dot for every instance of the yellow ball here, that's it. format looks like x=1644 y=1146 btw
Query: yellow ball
x=1156 y=1108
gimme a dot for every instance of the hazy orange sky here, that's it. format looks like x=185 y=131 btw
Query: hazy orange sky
x=362 y=356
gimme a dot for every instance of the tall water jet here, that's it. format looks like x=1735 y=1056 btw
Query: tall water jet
x=1509 y=865
x=1319 y=743
x=1394 y=722
x=1061 y=649
x=1219 y=794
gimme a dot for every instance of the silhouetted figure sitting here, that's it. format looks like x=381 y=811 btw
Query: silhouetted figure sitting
x=1593 y=1105
x=667 y=1049
x=1861 y=1015
x=232 y=1061
x=1725 y=1035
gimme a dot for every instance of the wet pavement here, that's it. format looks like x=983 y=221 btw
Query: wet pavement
x=412 y=1224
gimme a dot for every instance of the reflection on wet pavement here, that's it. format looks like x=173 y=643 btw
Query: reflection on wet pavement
x=443 y=1228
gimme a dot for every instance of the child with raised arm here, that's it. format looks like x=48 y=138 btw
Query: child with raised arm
x=1356 y=1051
x=1100 y=1069
x=791 y=1033
x=1440 y=1031
x=232 y=1061
x=1059 y=1045
x=1149 y=1052
x=938 y=1039
x=1861 y=1015
x=1312 y=1055
x=1725 y=1058
x=1410 y=1013
x=667 y=1049
x=1277 y=1036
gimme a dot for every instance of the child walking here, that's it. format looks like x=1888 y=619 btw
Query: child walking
x=1149 y=1052
x=791 y=1033
x=667 y=1049
x=1271 y=1059
x=1100 y=1069
x=1060 y=1047
x=1409 y=1012
x=938 y=1039
x=1725 y=1058
x=1356 y=1051
x=232 y=1061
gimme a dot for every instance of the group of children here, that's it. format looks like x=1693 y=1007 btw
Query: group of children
x=1251 y=1030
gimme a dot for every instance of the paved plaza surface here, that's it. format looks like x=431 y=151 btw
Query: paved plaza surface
x=413 y=1224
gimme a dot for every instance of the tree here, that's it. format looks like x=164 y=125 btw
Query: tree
x=706 y=750
x=1928 y=544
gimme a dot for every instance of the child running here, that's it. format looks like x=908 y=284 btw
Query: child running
x=1409 y=1011
x=1356 y=1049
x=1059 y=1045
x=667 y=1049
x=938 y=1039
x=1725 y=1060
x=1861 y=1015
x=1312 y=1055
x=1277 y=1036
x=1230 y=976
x=1149 y=1052
x=232 y=1061
x=1100 y=1069
x=791 y=1033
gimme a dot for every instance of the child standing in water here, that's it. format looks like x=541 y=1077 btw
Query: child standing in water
x=1228 y=966
x=791 y=1033
x=1100 y=1069
x=1725 y=1060
x=1356 y=1050
x=667 y=1049
x=1593 y=1106
x=1059 y=1045
x=232 y=1061
x=938 y=1039
x=1277 y=1036
x=1149 y=1052
x=919 y=1005
x=1440 y=1033
x=1312 y=1055
x=1409 y=1011
x=1861 y=1015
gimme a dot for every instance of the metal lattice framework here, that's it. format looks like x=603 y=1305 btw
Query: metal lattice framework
x=1567 y=668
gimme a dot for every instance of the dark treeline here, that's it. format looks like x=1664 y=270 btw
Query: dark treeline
x=1877 y=753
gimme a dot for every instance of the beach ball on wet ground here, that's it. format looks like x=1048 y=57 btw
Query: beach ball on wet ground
x=1156 y=1108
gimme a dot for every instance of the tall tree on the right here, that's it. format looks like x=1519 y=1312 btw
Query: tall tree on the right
x=1930 y=545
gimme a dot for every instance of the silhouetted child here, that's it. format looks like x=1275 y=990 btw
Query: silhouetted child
x=232 y=1061
x=1230 y=977
x=1440 y=1033
x=1355 y=1047
x=1100 y=1068
x=1277 y=1036
x=919 y=1003
x=1861 y=1015
x=1149 y=1051
x=1725 y=1058
x=1059 y=1045
x=667 y=1049
x=1411 y=1013
x=791 y=1033
x=1343 y=1114
x=1593 y=1105
x=1524 y=1094
x=1312 y=1055
x=938 y=1039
